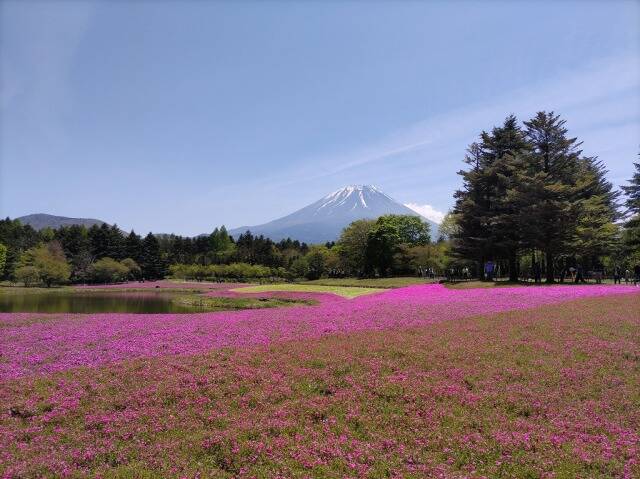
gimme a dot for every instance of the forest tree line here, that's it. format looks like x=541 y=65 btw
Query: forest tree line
x=392 y=244
x=105 y=253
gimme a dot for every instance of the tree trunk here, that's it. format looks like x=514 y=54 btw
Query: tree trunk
x=513 y=267
x=549 y=261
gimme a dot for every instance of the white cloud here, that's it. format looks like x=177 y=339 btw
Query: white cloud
x=427 y=211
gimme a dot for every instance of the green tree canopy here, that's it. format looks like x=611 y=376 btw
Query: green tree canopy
x=108 y=270
x=49 y=261
x=382 y=243
x=27 y=275
x=352 y=246
x=316 y=260
x=411 y=230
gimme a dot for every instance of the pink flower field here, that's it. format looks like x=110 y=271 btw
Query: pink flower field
x=422 y=381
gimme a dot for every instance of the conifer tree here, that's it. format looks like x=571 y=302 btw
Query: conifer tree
x=487 y=218
x=133 y=247
x=632 y=204
x=546 y=188
x=503 y=151
x=471 y=239
x=596 y=233
x=152 y=265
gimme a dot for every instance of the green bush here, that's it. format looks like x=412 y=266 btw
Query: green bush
x=108 y=270
x=217 y=272
x=27 y=274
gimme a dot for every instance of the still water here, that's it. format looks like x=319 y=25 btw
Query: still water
x=94 y=302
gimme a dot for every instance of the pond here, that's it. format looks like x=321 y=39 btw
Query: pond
x=94 y=302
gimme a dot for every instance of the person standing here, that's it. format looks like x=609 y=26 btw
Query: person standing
x=488 y=270
x=617 y=275
x=636 y=272
x=627 y=276
x=537 y=273
x=579 y=275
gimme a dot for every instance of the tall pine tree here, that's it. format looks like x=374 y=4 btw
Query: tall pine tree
x=152 y=265
x=503 y=151
x=631 y=235
x=596 y=232
x=471 y=240
x=546 y=191
x=487 y=219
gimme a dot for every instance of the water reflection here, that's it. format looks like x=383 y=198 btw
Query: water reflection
x=94 y=302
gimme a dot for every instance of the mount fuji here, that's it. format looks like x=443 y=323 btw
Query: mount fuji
x=324 y=220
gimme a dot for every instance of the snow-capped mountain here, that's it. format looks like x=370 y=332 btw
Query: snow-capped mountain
x=324 y=220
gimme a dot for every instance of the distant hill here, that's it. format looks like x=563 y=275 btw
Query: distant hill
x=324 y=220
x=40 y=221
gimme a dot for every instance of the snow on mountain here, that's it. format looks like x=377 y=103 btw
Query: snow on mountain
x=324 y=220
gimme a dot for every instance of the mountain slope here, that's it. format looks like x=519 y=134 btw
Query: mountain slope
x=40 y=221
x=324 y=220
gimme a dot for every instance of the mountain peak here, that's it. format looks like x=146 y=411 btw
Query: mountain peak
x=350 y=197
x=324 y=220
x=350 y=189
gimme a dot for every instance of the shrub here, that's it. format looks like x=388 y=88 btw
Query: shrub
x=108 y=270
x=27 y=274
x=50 y=263
x=134 y=271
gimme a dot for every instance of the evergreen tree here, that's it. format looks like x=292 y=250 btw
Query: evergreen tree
x=74 y=239
x=631 y=236
x=487 y=218
x=533 y=190
x=503 y=155
x=596 y=233
x=115 y=243
x=632 y=191
x=99 y=237
x=77 y=247
x=546 y=190
x=471 y=239
x=221 y=244
x=151 y=263
x=133 y=247
x=18 y=238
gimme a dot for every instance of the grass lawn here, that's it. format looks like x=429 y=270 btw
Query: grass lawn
x=546 y=392
x=370 y=282
x=344 y=291
x=215 y=303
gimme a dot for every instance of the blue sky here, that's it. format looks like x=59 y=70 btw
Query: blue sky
x=180 y=116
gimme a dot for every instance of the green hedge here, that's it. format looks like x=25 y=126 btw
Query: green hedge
x=216 y=272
